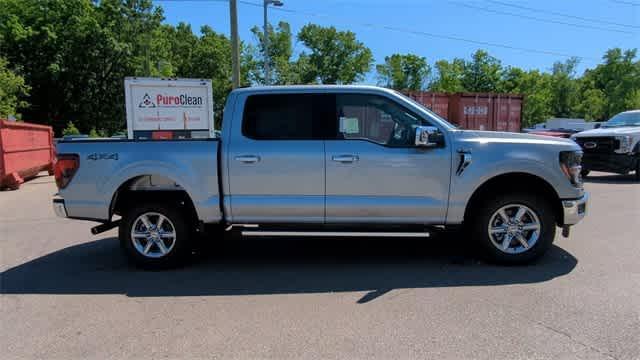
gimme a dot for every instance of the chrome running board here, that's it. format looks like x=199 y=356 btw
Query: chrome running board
x=335 y=233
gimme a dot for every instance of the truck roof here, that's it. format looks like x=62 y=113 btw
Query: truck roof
x=310 y=88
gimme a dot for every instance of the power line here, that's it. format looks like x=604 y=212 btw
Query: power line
x=429 y=34
x=412 y=31
x=561 y=14
x=538 y=19
x=631 y=3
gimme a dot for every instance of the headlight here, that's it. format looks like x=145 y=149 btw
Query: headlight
x=625 y=144
x=570 y=163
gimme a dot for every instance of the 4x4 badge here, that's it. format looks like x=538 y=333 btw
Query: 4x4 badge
x=102 y=156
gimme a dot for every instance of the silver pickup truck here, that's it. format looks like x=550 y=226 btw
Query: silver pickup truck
x=325 y=161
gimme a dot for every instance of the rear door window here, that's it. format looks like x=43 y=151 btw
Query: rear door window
x=289 y=117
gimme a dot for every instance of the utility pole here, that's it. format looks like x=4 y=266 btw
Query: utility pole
x=265 y=39
x=235 y=44
x=265 y=46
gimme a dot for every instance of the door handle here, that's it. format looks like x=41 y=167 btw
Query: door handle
x=345 y=158
x=248 y=159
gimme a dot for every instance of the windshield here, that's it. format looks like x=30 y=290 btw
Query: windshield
x=426 y=109
x=623 y=119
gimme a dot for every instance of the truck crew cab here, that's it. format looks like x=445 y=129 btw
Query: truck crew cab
x=325 y=161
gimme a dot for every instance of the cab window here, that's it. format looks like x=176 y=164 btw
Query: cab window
x=376 y=119
x=288 y=116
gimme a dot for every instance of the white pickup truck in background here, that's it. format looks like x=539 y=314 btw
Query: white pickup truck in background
x=614 y=147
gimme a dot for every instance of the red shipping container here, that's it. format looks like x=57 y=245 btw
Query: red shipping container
x=476 y=111
x=25 y=150
x=508 y=112
x=436 y=102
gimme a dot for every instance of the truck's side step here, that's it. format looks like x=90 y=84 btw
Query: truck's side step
x=333 y=233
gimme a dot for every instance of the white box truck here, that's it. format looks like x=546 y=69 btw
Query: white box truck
x=168 y=108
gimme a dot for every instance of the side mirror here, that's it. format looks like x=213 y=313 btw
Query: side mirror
x=428 y=136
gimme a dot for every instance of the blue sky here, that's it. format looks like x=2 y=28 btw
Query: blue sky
x=386 y=26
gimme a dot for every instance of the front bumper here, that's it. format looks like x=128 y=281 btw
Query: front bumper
x=575 y=209
x=59 y=208
x=616 y=163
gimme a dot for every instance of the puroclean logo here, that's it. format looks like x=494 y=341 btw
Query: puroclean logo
x=171 y=101
x=182 y=100
x=147 y=102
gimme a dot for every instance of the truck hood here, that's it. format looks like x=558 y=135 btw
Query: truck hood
x=514 y=138
x=626 y=130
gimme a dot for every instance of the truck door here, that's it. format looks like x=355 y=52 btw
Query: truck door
x=375 y=174
x=276 y=159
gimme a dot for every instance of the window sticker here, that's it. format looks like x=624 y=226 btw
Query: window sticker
x=349 y=125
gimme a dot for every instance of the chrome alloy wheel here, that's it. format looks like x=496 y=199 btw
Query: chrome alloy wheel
x=514 y=228
x=153 y=235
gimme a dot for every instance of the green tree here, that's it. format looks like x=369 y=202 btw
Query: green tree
x=591 y=102
x=182 y=43
x=71 y=129
x=564 y=88
x=334 y=57
x=98 y=133
x=536 y=88
x=280 y=47
x=12 y=91
x=482 y=73
x=208 y=57
x=403 y=72
x=632 y=101
x=160 y=63
x=618 y=79
x=51 y=41
x=128 y=47
x=448 y=76
x=133 y=26
x=75 y=54
x=210 y=60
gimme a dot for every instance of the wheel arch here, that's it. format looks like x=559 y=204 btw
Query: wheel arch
x=151 y=187
x=516 y=181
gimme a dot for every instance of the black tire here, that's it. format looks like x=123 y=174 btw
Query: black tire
x=584 y=172
x=638 y=169
x=479 y=223
x=177 y=254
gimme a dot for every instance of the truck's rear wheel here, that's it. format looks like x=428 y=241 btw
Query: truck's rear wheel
x=513 y=228
x=154 y=236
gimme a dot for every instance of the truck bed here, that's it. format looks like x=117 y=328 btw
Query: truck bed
x=108 y=164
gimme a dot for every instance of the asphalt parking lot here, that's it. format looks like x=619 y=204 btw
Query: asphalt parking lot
x=68 y=294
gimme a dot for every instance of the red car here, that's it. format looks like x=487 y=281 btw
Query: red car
x=561 y=133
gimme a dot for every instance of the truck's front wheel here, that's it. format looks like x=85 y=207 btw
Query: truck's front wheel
x=154 y=236
x=514 y=228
